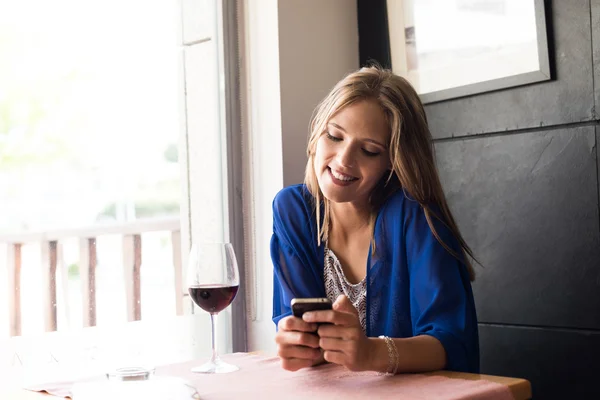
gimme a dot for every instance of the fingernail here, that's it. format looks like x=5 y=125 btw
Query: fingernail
x=307 y=316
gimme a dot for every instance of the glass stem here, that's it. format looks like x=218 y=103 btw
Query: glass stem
x=213 y=322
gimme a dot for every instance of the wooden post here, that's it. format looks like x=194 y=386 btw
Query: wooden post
x=87 y=261
x=14 y=288
x=49 y=261
x=132 y=261
x=178 y=273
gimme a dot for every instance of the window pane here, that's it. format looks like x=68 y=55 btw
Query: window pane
x=91 y=162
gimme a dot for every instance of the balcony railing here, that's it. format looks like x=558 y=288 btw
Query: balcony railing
x=50 y=241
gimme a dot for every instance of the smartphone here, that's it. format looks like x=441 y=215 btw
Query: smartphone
x=300 y=306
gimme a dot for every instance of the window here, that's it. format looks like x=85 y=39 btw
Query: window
x=116 y=150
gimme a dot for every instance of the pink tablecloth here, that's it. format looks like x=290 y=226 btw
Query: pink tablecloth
x=262 y=377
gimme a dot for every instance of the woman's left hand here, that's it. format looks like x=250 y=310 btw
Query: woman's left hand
x=341 y=336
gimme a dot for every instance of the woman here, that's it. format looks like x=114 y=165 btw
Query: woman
x=371 y=230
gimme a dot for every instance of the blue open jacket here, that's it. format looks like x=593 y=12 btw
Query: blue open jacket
x=414 y=285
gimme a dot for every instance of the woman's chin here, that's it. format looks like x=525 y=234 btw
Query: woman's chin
x=337 y=195
x=340 y=192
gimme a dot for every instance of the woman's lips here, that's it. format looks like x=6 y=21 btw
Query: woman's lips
x=341 y=179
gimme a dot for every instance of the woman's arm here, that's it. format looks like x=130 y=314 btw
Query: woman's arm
x=441 y=299
x=344 y=343
x=297 y=267
x=416 y=354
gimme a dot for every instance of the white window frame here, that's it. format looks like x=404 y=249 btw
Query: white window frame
x=224 y=36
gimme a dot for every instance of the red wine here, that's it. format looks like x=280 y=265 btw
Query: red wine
x=213 y=298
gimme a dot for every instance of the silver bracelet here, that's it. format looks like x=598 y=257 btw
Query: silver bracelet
x=393 y=356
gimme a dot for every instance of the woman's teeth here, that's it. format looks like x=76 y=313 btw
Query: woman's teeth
x=342 y=177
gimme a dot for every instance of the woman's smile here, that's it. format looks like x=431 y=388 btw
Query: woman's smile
x=340 y=178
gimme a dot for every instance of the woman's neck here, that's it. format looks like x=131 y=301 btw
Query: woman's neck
x=348 y=219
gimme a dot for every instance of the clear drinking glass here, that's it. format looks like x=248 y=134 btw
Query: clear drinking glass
x=213 y=281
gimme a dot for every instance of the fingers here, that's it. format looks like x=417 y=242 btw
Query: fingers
x=340 y=332
x=335 y=334
x=343 y=313
x=336 y=357
x=292 y=323
x=297 y=343
x=331 y=317
x=294 y=364
x=334 y=344
x=300 y=352
x=297 y=338
x=343 y=304
x=343 y=352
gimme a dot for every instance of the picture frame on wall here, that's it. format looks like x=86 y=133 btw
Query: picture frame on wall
x=455 y=48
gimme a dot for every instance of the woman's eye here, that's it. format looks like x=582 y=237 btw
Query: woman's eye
x=333 y=138
x=370 y=153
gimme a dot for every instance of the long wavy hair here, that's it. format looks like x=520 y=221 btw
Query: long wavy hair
x=411 y=151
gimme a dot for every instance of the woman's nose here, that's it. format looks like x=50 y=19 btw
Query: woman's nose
x=345 y=156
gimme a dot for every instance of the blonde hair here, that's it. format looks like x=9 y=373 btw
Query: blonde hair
x=411 y=150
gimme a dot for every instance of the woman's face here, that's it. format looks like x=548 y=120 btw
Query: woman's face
x=352 y=155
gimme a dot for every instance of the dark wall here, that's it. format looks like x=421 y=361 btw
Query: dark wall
x=520 y=170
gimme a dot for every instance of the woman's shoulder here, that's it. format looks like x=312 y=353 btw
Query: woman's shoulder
x=293 y=214
x=292 y=200
x=401 y=208
x=399 y=203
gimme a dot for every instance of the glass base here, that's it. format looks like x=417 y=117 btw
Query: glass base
x=217 y=367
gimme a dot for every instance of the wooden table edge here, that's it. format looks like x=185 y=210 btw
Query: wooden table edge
x=519 y=387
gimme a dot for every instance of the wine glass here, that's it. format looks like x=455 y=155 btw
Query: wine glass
x=213 y=281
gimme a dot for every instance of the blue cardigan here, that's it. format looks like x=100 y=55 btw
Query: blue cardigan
x=414 y=285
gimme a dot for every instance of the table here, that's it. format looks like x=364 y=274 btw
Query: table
x=177 y=339
x=520 y=388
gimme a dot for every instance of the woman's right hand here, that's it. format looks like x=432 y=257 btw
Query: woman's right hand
x=297 y=344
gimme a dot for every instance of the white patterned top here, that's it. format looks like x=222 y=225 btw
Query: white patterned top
x=337 y=284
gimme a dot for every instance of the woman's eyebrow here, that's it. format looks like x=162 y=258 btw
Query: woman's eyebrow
x=337 y=126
